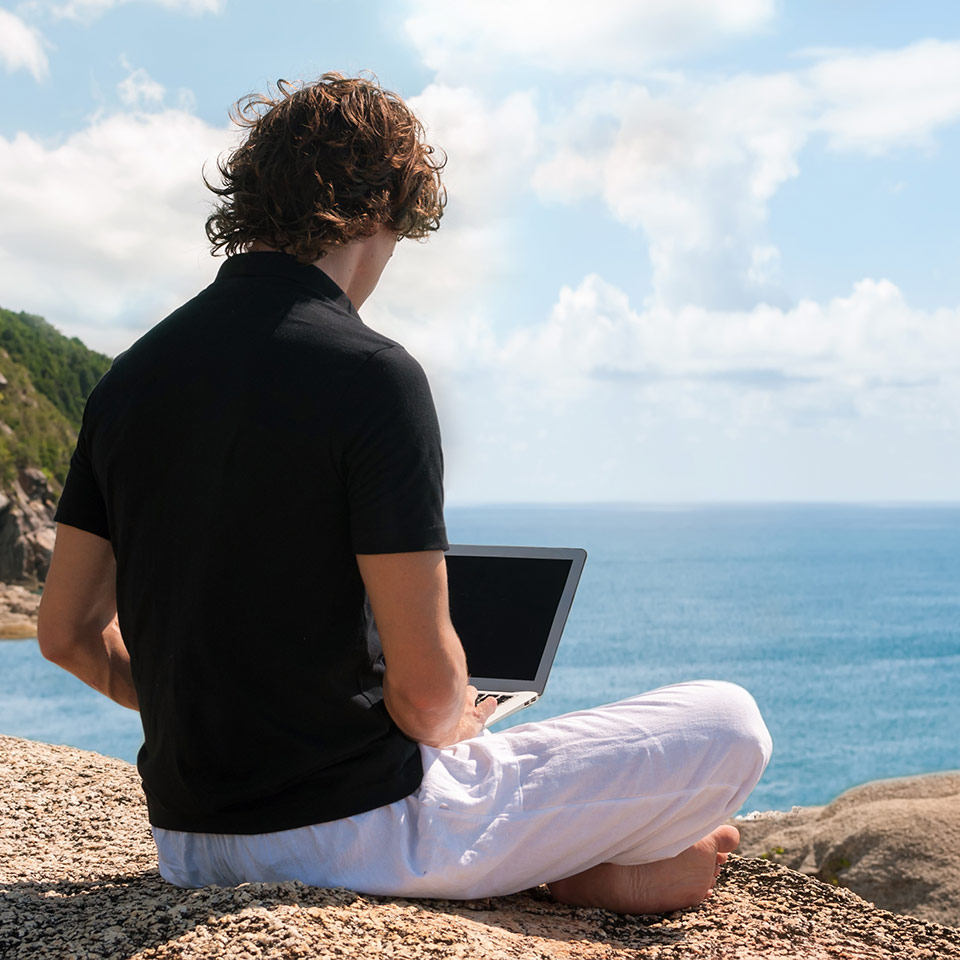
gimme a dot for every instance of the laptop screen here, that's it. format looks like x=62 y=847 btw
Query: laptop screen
x=503 y=608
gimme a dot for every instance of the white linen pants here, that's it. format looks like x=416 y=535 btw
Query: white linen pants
x=630 y=782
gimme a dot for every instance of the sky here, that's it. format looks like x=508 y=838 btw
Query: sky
x=693 y=251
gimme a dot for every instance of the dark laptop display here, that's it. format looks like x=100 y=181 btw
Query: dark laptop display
x=508 y=606
x=503 y=609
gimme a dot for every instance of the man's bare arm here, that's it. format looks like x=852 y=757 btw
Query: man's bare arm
x=77 y=625
x=425 y=685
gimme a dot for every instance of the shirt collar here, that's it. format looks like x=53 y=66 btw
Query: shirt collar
x=276 y=264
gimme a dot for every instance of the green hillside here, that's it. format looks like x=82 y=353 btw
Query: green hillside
x=48 y=377
x=61 y=368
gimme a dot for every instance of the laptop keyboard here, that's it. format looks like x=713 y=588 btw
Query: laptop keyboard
x=499 y=699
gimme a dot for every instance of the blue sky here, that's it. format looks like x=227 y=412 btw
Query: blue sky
x=693 y=251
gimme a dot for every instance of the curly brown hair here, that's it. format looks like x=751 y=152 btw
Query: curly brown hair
x=325 y=163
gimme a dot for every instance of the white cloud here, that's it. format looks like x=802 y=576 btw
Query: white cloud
x=866 y=355
x=117 y=210
x=602 y=400
x=694 y=164
x=603 y=391
x=88 y=10
x=694 y=168
x=878 y=100
x=610 y=36
x=489 y=145
x=103 y=233
x=433 y=296
x=21 y=47
x=138 y=88
x=491 y=149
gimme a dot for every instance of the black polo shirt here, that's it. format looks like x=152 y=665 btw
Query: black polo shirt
x=238 y=456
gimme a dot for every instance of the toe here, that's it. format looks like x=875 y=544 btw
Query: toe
x=727 y=838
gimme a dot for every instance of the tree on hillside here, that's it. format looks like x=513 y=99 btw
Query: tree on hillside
x=61 y=368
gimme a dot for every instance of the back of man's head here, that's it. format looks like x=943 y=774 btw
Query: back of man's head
x=323 y=164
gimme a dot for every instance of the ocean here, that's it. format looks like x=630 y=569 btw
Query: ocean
x=842 y=620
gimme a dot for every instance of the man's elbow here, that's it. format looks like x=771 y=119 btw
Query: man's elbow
x=54 y=640
x=51 y=646
x=431 y=691
x=429 y=698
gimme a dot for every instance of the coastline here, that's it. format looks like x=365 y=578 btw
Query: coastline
x=78 y=877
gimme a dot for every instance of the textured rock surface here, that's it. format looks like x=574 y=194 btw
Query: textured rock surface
x=26 y=527
x=18 y=611
x=894 y=842
x=78 y=879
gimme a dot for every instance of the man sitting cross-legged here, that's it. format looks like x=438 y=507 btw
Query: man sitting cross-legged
x=250 y=552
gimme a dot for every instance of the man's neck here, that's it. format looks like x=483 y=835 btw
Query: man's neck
x=354 y=267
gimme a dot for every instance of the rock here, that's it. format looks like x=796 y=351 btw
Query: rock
x=39 y=548
x=78 y=878
x=12 y=543
x=34 y=483
x=893 y=842
x=27 y=529
x=18 y=611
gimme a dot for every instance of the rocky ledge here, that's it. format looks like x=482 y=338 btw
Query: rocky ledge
x=894 y=842
x=78 y=880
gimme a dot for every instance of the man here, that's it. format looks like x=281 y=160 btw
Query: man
x=256 y=482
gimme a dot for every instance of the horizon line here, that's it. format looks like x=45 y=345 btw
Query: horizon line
x=459 y=504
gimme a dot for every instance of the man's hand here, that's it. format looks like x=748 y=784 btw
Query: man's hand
x=475 y=716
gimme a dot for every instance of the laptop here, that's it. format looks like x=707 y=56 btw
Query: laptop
x=509 y=606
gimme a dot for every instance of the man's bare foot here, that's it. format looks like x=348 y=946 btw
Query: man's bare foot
x=658 y=887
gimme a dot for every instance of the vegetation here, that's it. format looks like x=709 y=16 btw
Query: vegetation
x=33 y=432
x=61 y=368
x=830 y=871
x=48 y=378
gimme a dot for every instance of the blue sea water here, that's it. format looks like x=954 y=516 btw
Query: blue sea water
x=843 y=621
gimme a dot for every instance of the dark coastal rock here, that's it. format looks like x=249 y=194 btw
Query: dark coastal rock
x=27 y=535
x=12 y=542
x=27 y=531
x=78 y=879
x=34 y=483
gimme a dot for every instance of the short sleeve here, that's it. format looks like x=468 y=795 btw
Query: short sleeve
x=391 y=458
x=81 y=503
